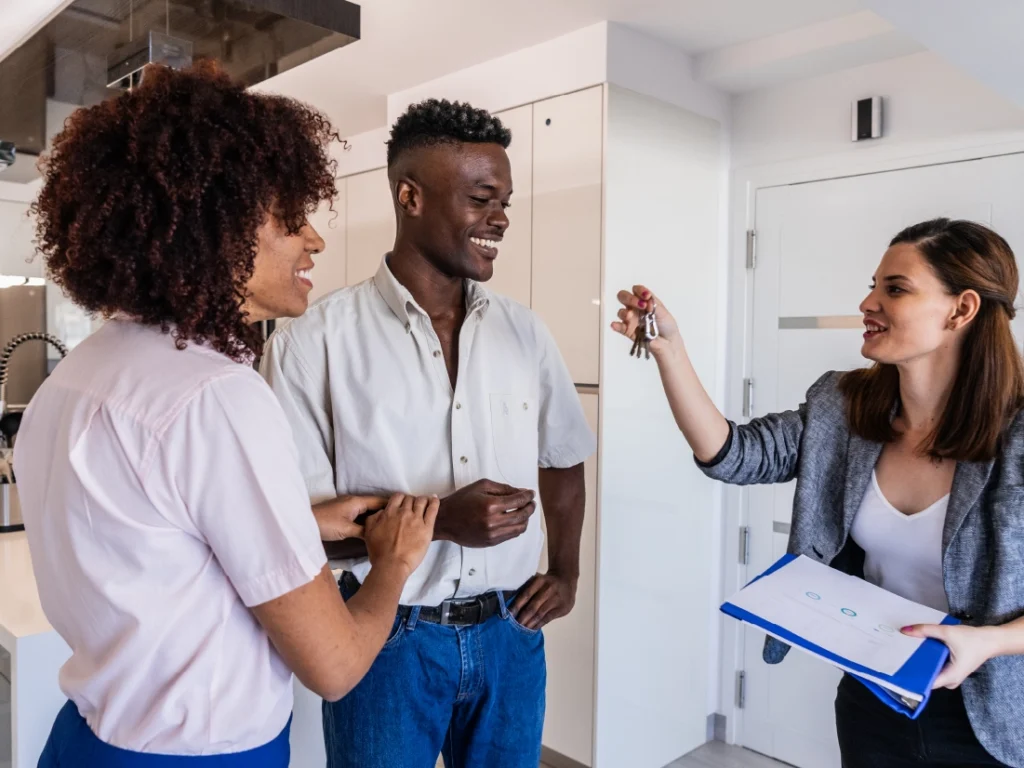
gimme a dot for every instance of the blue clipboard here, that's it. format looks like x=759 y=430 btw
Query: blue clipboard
x=916 y=675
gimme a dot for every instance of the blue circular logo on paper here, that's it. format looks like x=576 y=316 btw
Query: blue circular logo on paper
x=848 y=612
x=813 y=596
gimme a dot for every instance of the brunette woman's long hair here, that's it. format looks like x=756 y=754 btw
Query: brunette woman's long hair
x=989 y=388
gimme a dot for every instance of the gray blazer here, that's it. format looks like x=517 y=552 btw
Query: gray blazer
x=982 y=543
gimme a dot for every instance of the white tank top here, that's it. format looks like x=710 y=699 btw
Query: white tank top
x=902 y=553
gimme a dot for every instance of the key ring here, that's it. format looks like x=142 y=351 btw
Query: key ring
x=651 y=323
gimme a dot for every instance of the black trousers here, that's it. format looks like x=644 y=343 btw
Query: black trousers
x=873 y=736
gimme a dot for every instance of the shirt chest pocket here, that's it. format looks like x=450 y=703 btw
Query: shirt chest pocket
x=514 y=438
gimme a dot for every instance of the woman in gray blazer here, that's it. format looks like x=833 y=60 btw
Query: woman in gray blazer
x=909 y=474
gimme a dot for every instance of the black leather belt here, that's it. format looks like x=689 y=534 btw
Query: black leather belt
x=463 y=613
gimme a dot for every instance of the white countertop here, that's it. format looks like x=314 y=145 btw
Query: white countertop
x=21 y=615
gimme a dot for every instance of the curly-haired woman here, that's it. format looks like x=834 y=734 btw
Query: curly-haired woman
x=169 y=525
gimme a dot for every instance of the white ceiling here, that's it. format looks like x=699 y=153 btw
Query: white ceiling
x=19 y=20
x=697 y=26
x=407 y=42
x=982 y=39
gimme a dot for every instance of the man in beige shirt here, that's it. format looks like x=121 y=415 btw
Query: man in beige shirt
x=422 y=380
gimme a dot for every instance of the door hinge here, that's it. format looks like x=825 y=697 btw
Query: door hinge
x=741 y=689
x=744 y=544
x=748 y=398
x=751 y=248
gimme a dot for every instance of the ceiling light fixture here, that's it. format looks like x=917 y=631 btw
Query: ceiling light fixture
x=126 y=67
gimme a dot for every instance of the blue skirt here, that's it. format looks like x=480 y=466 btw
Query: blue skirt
x=72 y=744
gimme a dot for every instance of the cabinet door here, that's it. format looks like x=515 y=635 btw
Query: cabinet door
x=17 y=232
x=512 y=268
x=569 y=641
x=371 y=224
x=567 y=169
x=329 y=272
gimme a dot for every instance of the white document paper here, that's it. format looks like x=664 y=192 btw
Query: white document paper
x=844 y=615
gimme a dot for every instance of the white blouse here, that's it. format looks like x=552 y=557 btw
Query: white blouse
x=162 y=498
x=902 y=553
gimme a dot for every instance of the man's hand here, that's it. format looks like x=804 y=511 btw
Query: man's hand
x=337 y=518
x=484 y=514
x=547 y=596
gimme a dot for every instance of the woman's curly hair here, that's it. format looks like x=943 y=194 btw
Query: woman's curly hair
x=151 y=202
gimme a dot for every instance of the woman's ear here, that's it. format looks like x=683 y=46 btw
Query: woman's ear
x=967 y=305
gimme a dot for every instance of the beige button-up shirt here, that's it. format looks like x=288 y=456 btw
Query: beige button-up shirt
x=363 y=381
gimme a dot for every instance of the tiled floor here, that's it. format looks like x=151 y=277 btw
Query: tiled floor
x=718 y=755
x=715 y=754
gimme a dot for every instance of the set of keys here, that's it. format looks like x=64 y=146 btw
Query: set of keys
x=646 y=332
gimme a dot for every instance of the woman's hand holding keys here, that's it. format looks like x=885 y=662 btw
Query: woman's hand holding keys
x=635 y=305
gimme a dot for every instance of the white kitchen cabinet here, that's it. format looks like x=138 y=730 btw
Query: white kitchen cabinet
x=17 y=230
x=330 y=222
x=567 y=178
x=512 y=269
x=569 y=641
x=6 y=758
x=370 y=229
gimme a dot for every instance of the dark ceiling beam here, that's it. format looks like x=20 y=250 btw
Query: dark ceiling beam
x=335 y=15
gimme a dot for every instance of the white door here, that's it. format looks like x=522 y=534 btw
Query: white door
x=818 y=245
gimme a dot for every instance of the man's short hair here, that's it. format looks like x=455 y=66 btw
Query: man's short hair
x=439 y=121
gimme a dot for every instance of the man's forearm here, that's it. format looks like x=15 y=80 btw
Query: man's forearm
x=563 y=499
x=346 y=549
x=353 y=548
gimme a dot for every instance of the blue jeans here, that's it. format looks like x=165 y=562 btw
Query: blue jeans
x=472 y=694
x=72 y=744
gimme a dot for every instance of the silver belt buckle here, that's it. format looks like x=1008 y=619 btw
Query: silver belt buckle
x=446 y=608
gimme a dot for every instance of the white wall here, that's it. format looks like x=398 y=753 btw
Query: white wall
x=927 y=103
x=657 y=558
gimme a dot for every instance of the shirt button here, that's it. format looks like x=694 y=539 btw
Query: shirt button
x=526 y=406
x=464 y=460
x=472 y=571
x=437 y=353
x=408 y=327
x=458 y=406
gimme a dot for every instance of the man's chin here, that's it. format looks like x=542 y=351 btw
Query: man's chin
x=482 y=270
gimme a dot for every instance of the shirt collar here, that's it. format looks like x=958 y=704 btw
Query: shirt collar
x=401 y=302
